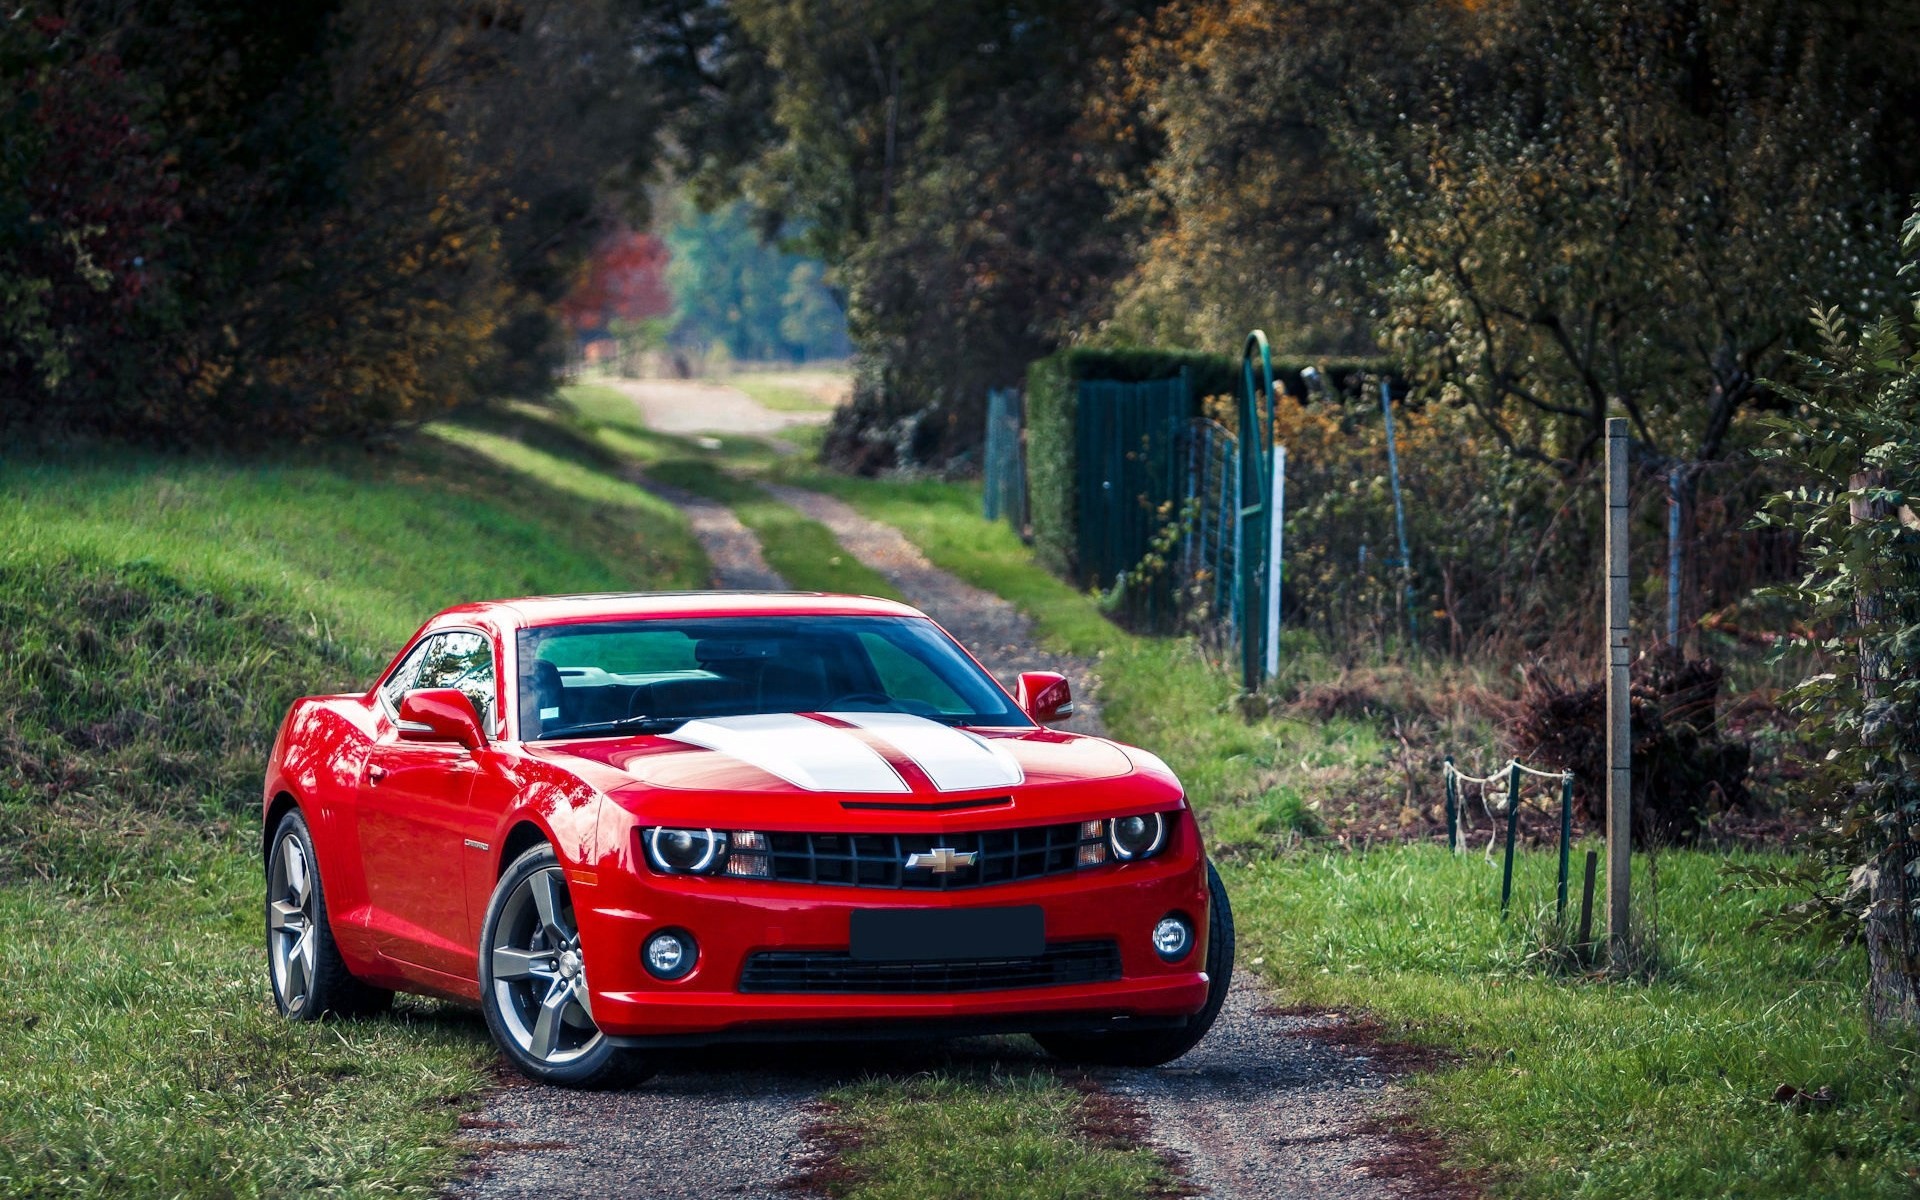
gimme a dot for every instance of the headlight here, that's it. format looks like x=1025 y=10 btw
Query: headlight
x=741 y=852
x=685 y=851
x=1137 y=837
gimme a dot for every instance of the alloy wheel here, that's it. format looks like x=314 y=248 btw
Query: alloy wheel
x=290 y=924
x=539 y=974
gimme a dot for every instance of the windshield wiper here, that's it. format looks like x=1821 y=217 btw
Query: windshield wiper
x=641 y=724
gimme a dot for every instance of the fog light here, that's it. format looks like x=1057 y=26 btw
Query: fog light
x=669 y=954
x=1172 y=938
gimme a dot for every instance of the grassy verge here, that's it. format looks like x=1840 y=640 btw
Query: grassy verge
x=787 y=391
x=156 y=616
x=1562 y=1084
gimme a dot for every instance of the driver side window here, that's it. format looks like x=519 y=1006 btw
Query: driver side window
x=455 y=659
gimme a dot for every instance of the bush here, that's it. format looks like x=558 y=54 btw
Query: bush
x=1683 y=770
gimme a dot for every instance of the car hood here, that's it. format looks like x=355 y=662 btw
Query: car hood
x=853 y=768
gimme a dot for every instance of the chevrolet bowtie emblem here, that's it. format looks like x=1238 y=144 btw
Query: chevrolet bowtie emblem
x=941 y=860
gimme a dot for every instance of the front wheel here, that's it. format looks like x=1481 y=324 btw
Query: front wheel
x=1152 y=1048
x=533 y=981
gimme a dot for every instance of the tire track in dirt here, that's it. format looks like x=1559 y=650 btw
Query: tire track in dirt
x=732 y=549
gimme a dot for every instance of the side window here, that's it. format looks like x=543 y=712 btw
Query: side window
x=905 y=677
x=457 y=659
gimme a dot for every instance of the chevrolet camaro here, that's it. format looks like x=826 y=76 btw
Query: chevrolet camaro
x=622 y=824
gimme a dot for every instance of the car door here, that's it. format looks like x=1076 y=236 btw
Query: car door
x=414 y=812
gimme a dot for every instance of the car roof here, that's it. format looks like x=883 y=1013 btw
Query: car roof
x=529 y=611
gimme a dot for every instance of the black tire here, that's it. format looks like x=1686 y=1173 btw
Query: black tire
x=539 y=1015
x=305 y=972
x=1155 y=1047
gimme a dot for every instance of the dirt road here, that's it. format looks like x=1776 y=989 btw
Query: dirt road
x=1261 y=1110
x=690 y=406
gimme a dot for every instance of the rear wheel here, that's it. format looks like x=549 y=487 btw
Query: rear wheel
x=308 y=975
x=1151 y=1048
x=533 y=981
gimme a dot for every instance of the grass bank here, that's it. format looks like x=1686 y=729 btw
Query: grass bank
x=157 y=614
x=1560 y=1083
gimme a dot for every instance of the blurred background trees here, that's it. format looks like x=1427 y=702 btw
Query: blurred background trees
x=228 y=222
x=224 y=222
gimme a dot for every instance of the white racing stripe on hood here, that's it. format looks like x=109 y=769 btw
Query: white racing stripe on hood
x=803 y=752
x=954 y=759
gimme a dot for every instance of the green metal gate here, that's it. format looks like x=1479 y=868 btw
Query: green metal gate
x=1130 y=480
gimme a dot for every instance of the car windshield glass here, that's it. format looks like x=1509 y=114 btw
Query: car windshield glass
x=606 y=678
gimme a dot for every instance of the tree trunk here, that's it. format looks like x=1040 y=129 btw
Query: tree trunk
x=1893 y=943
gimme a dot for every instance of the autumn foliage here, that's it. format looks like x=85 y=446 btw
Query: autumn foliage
x=624 y=280
x=226 y=222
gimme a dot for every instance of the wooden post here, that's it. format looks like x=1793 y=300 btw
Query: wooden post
x=1619 y=712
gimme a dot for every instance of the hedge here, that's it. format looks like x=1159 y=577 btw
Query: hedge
x=1052 y=395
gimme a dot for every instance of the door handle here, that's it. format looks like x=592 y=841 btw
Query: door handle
x=375 y=773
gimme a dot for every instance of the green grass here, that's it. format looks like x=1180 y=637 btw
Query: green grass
x=1575 y=1086
x=776 y=393
x=972 y=1136
x=157 y=614
x=1563 y=1084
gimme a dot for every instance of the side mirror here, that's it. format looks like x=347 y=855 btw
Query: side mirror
x=1045 y=696
x=440 y=715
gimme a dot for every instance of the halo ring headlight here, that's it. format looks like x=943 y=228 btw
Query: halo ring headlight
x=1137 y=837
x=686 y=851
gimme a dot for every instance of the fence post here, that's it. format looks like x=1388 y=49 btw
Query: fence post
x=1566 y=837
x=1513 y=820
x=1256 y=416
x=1453 y=808
x=1399 y=513
x=1276 y=522
x=1619 y=714
x=1674 y=557
x=1584 y=939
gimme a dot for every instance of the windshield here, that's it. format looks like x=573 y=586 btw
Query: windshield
x=616 y=677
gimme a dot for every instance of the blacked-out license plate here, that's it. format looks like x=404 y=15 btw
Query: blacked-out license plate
x=946 y=934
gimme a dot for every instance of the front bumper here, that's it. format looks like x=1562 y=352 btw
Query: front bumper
x=731 y=919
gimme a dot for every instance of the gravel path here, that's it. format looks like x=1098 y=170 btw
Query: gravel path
x=731 y=547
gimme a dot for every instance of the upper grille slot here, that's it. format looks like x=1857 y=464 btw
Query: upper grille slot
x=880 y=859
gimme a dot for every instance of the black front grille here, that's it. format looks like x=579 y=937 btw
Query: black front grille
x=824 y=971
x=880 y=859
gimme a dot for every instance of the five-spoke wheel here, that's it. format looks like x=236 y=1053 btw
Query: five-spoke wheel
x=533 y=979
x=308 y=976
x=290 y=945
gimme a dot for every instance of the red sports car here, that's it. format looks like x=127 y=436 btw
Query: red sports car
x=624 y=823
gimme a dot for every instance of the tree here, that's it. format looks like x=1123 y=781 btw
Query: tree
x=227 y=221
x=1220 y=117
x=1605 y=208
x=1855 y=439
x=932 y=156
